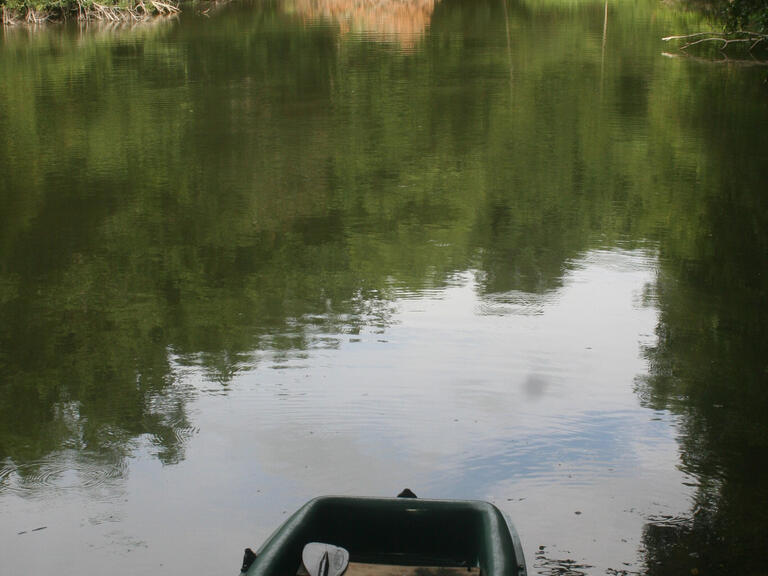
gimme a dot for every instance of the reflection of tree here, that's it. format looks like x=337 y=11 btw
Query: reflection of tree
x=273 y=210
x=710 y=367
x=710 y=363
x=283 y=205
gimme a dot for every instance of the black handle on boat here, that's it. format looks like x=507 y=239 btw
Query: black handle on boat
x=248 y=559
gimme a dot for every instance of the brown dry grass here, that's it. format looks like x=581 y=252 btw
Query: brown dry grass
x=393 y=20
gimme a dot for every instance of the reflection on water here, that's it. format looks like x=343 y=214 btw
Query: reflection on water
x=381 y=409
x=251 y=259
x=403 y=21
x=61 y=472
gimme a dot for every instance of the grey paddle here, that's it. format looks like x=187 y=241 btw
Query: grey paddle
x=324 y=559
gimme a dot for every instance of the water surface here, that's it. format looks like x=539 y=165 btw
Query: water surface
x=506 y=251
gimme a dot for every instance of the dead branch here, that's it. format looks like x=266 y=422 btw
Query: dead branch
x=696 y=34
x=164 y=7
x=725 y=42
x=754 y=39
x=35 y=17
x=7 y=17
x=723 y=60
x=685 y=36
x=84 y=12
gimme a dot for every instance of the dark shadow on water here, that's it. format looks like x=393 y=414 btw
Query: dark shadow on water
x=710 y=365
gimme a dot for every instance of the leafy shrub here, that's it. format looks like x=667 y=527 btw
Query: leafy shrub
x=746 y=14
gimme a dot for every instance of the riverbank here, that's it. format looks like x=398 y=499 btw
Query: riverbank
x=38 y=12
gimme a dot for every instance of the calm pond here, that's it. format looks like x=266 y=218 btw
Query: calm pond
x=504 y=251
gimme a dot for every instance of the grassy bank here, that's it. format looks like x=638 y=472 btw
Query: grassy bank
x=38 y=11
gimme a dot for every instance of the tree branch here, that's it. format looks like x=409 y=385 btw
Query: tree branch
x=753 y=38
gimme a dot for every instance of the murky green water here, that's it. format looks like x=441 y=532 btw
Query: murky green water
x=508 y=252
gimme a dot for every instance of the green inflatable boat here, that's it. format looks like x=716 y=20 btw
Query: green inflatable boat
x=404 y=536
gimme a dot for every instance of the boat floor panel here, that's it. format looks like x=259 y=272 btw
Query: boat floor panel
x=360 y=569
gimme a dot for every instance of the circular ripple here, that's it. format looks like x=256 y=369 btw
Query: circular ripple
x=57 y=473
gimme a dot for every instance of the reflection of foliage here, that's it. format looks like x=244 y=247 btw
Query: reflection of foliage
x=253 y=185
x=709 y=364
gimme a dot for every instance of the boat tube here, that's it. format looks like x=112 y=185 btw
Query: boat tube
x=394 y=532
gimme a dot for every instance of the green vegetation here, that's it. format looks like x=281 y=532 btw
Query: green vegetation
x=36 y=11
x=746 y=14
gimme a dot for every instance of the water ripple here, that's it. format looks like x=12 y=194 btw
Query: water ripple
x=58 y=473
